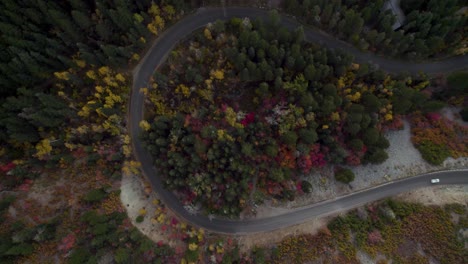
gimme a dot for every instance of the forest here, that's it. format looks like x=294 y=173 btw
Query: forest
x=431 y=29
x=252 y=108
x=239 y=107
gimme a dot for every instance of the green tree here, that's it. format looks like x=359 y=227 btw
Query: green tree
x=344 y=175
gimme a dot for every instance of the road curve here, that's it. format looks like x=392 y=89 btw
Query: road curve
x=158 y=53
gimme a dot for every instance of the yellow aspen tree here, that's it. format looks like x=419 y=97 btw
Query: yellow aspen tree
x=145 y=125
x=217 y=74
x=62 y=75
x=43 y=148
x=104 y=70
x=207 y=34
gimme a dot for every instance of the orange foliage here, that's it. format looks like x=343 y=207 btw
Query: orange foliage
x=441 y=132
x=286 y=157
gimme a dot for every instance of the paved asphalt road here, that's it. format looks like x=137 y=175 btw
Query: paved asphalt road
x=158 y=53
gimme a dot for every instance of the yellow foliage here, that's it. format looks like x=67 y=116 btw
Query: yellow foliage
x=120 y=77
x=161 y=218
x=80 y=63
x=145 y=125
x=421 y=85
x=388 y=117
x=135 y=57
x=154 y=9
x=110 y=81
x=159 y=22
x=99 y=89
x=126 y=139
x=206 y=94
x=62 y=75
x=230 y=116
x=127 y=151
x=138 y=18
x=82 y=129
x=183 y=89
x=104 y=70
x=142 y=212
x=335 y=116
x=70 y=146
x=207 y=34
x=340 y=84
x=152 y=28
x=355 y=97
x=325 y=127
x=209 y=83
x=131 y=167
x=193 y=246
x=144 y=91
x=219 y=249
x=84 y=112
x=43 y=148
x=169 y=10
x=217 y=74
x=200 y=237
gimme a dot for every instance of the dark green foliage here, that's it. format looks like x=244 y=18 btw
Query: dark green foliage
x=464 y=114
x=344 y=175
x=271 y=150
x=290 y=138
x=382 y=142
x=26 y=114
x=39 y=38
x=433 y=106
x=456 y=208
x=375 y=155
x=309 y=136
x=306 y=187
x=191 y=256
x=356 y=144
x=371 y=102
x=403 y=209
x=122 y=255
x=79 y=255
x=140 y=218
x=458 y=83
x=433 y=153
x=371 y=136
x=259 y=255
x=430 y=28
x=95 y=195
x=5 y=203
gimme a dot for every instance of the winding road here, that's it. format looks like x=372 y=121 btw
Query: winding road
x=157 y=55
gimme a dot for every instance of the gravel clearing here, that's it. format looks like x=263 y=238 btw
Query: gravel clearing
x=135 y=195
x=404 y=161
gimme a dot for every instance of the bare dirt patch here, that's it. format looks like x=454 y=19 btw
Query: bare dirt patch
x=248 y=242
x=135 y=198
x=439 y=195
